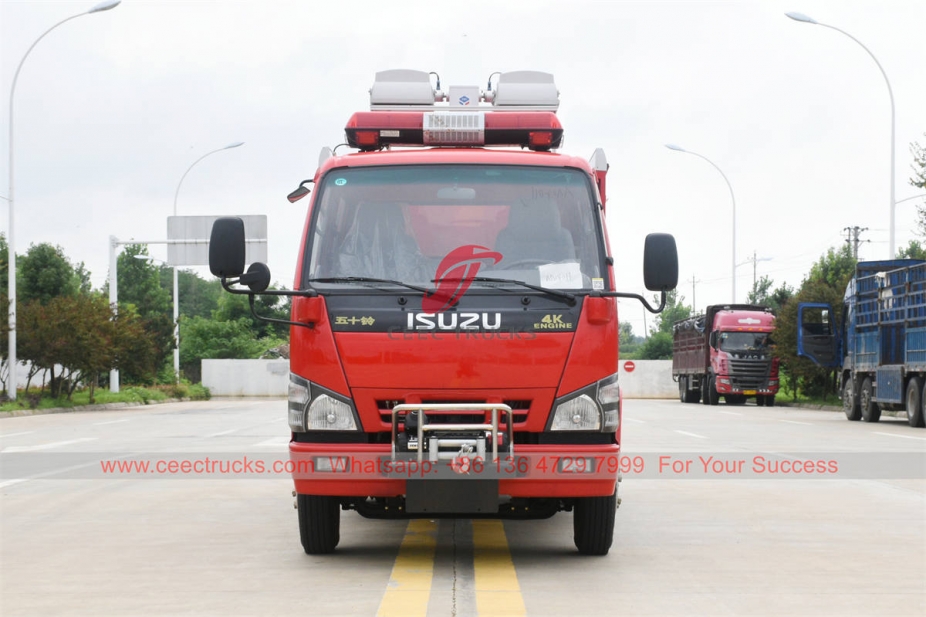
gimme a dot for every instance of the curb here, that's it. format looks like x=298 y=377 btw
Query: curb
x=18 y=413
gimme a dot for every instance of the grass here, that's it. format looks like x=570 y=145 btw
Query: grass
x=133 y=394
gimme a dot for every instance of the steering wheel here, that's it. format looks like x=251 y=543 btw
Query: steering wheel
x=524 y=262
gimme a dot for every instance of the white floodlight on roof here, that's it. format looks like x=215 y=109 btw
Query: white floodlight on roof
x=526 y=89
x=402 y=87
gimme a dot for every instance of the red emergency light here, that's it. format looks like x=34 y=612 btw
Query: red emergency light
x=373 y=130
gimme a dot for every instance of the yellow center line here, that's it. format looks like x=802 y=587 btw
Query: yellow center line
x=410 y=582
x=497 y=591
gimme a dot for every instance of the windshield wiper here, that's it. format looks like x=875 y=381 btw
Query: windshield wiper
x=367 y=279
x=565 y=295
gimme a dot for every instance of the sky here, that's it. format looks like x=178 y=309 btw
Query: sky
x=112 y=108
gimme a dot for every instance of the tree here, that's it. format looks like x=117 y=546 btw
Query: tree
x=629 y=342
x=46 y=273
x=826 y=283
x=914 y=250
x=918 y=179
x=140 y=292
x=657 y=347
x=235 y=306
x=674 y=311
x=212 y=338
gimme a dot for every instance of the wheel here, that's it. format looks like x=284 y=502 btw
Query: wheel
x=870 y=410
x=593 y=524
x=693 y=396
x=319 y=523
x=683 y=389
x=760 y=400
x=915 y=402
x=850 y=403
x=705 y=400
x=770 y=400
x=712 y=397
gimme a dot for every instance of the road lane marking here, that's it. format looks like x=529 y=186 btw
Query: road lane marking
x=497 y=590
x=17 y=434
x=112 y=422
x=634 y=420
x=46 y=446
x=219 y=434
x=796 y=422
x=410 y=582
x=904 y=436
x=691 y=434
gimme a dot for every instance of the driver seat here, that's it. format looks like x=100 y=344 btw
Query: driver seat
x=534 y=231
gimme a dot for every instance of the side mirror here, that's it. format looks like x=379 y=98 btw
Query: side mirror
x=660 y=262
x=226 y=247
x=257 y=278
x=300 y=192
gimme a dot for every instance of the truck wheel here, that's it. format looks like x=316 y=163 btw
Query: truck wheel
x=760 y=400
x=770 y=400
x=850 y=403
x=712 y=397
x=319 y=523
x=915 y=402
x=683 y=389
x=871 y=412
x=705 y=399
x=593 y=524
x=694 y=396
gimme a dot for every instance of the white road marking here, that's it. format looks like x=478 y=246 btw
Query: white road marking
x=691 y=434
x=12 y=482
x=46 y=446
x=796 y=422
x=229 y=431
x=904 y=436
x=17 y=434
x=111 y=422
x=634 y=420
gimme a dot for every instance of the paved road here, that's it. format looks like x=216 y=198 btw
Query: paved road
x=73 y=542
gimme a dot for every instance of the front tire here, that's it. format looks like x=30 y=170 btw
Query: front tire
x=319 y=523
x=915 y=402
x=593 y=524
x=871 y=412
x=712 y=396
x=850 y=402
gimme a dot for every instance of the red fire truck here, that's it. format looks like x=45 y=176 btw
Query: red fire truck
x=454 y=329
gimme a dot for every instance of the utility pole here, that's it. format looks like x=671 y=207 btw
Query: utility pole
x=694 y=304
x=852 y=238
x=754 y=261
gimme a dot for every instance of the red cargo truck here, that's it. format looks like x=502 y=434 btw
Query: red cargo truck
x=725 y=352
x=454 y=333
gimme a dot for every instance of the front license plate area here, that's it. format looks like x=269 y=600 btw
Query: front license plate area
x=451 y=496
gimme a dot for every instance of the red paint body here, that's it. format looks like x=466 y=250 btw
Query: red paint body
x=539 y=367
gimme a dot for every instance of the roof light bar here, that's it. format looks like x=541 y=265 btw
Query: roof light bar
x=537 y=130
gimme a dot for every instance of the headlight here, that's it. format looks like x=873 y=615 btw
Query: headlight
x=313 y=408
x=594 y=408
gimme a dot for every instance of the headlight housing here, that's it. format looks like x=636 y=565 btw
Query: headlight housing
x=313 y=408
x=593 y=408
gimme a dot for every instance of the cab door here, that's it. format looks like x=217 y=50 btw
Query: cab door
x=817 y=337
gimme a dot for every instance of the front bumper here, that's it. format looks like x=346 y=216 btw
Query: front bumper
x=535 y=471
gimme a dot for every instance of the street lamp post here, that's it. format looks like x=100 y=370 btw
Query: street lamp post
x=11 y=240
x=176 y=296
x=733 y=199
x=807 y=20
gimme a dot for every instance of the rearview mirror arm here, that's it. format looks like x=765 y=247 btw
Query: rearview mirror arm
x=620 y=294
x=308 y=293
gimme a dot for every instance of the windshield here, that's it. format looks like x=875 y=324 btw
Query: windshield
x=744 y=341
x=417 y=224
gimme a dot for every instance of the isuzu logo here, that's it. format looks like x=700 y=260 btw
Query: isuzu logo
x=449 y=320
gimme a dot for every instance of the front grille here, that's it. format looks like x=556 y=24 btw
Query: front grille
x=519 y=411
x=749 y=374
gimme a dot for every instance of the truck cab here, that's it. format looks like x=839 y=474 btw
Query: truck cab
x=454 y=333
